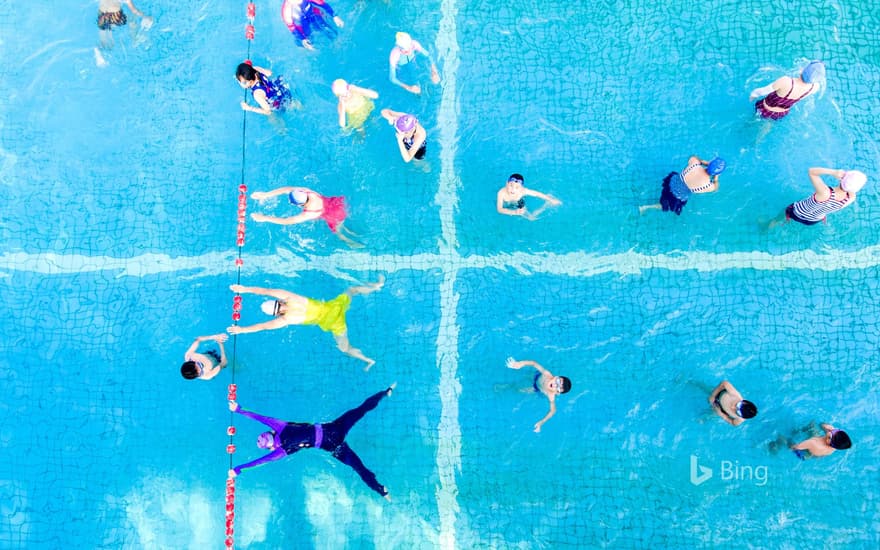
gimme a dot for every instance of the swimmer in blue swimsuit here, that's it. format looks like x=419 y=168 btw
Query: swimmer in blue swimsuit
x=207 y=365
x=511 y=199
x=729 y=404
x=823 y=445
x=272 y=95
x=286 y=438
x=544 y=382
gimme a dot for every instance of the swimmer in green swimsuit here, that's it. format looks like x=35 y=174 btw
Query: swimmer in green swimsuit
x=288 y=308
x=545 y=382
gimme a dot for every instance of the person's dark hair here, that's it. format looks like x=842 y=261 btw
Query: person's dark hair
x=840 y=440
x=747 y=409
x=566 y=384
x=517 y=177
x=246 y=72
x=189 y=371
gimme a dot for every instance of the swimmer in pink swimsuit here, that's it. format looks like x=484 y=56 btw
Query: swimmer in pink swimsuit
x=314 y=206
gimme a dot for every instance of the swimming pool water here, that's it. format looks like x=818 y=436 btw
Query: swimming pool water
x=118 y=245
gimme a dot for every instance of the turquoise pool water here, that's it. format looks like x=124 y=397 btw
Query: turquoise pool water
x=118 y=245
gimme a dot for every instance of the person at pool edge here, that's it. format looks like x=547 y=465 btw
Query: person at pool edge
x=511 y=199
x=775 y=105
x=207 y=365
x=544 y=382
x=823 y=445
x=699 y=176
x=286 y=438
x=292 y=309
x=730 y=405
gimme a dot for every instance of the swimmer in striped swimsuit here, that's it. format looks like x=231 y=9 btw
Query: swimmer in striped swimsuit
x=826 y=200
x=286 y=438
x=699 y=176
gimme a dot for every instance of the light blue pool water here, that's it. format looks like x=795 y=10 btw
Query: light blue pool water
x=118 y=237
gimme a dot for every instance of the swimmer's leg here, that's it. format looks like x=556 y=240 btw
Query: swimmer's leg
x=105 y=39
x=655 y=206
x=348 y=419
x=345 y=347
x=344 y=454
x=341 y=231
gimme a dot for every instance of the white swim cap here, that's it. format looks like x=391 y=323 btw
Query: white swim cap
x=340 y=87
x=403 y=40
x=852 y=181
x=298 y=197
x=270 y=307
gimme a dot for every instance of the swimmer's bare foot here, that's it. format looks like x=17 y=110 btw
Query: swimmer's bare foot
x=378 y=284
x=648 y=207
x=370 y=363
x=390 y=389
x=387 y=494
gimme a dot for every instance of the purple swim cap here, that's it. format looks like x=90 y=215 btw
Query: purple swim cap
x=405 y=123
x=265 y=440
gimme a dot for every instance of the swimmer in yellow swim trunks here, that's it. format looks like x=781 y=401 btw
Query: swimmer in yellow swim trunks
x=288 y=308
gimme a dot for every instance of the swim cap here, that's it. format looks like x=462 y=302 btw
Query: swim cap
x=270 y=307
x=265 y=440
x=840 y=440
x=814 y=72
x=746 y=409
x=852 y=181
x=406 y=123
x=716 y=166
x=403 y=40
x=298 y=197
x=340 y=87
x=516 y=178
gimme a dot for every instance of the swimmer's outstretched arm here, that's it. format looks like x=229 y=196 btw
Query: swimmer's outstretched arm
x=513 y=364
x=418 y=140
x=276 y=293
x=549 y=198
x=274 y=424
x=435 y=75
x=278 y=322
x=304 y=216
x=262 y=195
x=549 y=414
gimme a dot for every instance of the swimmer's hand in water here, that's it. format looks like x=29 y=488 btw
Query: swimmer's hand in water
x=234 y=329
x=338 y=21
x=435 y=76
x=538 y=428
x=146 y=22
x=415 y=88
x=245 y=106
x=258 y=217
x=220 y=338
x=259 y=195
x=553 y=200
x=236 y=288
x=513 y=363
